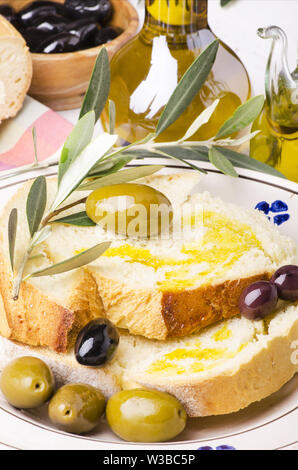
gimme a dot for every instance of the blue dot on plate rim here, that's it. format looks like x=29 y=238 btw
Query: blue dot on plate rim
x=277 y=207
x=220 y=447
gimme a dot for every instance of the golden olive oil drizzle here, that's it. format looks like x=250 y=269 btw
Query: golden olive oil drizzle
x=184 y=361
x=223 y=243
x=222 y=334
x=196 y=359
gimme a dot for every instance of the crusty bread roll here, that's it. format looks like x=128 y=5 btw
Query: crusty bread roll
x=15 y=70
x=129 y=291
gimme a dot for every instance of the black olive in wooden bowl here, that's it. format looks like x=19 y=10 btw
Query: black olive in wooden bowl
x=65 y=38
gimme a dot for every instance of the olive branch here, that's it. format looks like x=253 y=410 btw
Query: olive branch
x=88 y=163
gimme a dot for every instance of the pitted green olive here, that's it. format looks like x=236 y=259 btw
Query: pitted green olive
x=142 y=415
x=77 y=408
x=27 y=382
x=134 y=210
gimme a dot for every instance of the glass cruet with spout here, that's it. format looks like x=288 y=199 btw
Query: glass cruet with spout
x=145 y=72
x=277 y=142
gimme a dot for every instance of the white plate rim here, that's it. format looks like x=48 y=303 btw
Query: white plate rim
x=250 y=175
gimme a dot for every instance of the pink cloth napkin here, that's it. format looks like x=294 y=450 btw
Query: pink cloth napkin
x=16 y=135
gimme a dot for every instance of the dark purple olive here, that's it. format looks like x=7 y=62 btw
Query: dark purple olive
x=96 y=343
x=9 y=13
x=258 y=300
x=62 y=42
x=99 y=10
x=106 y=34
x=85 y=29
x=286 y=281
x=35 y=10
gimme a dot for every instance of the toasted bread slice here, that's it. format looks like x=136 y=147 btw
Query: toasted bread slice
x=157 y=288
x=50 y=311
x=15 y=70
x=220 y=370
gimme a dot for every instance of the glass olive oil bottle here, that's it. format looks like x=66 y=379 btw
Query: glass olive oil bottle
x=277 y=141
x=145 y=72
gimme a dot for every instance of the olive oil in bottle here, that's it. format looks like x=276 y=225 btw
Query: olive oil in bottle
x=145 y=72
x=277 y=142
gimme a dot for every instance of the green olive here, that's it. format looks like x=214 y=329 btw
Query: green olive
x=27 y=382
x=76 y=408
x=142 y=415
x=130 y=209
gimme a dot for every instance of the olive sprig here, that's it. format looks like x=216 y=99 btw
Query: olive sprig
x=216 y=149
x=87 y=162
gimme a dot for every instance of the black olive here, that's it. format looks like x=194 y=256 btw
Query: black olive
x=286 y=281
x=62 y=42
x=96 y=343
x=9 y=13
x=34 y=37
x=99 y=10
x=43 y=29
x=50 y=24
x=29 y=14
x=107 y=34
x=85 y=29
x=105 y=11
x=258 y=300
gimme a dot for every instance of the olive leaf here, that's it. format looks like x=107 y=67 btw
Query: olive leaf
x=142 y=153
x=177 y=151
x=236 y=142
x=109 y=166
x=12 y=232
x=118 y=154
x=41 y=235
x=200 y=153
x=217 y=158
x=244 y=115
x=34 y=145
x=36 y=203
x=77 y=261
x=80 y=219
x=75 y=143
x=124 y=176
x=80 y=167
x=244 y=161
x=99 y=86
x=180 y=154
x=223 y=3
x=135 y=145
x=202 y=119
x=188 y=87
x=112 y=116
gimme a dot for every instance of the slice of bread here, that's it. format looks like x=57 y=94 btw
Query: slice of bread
x=15 y=70
x=220 y=370
x=158 y=288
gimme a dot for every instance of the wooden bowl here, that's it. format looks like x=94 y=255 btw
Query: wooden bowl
x=60 y=80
